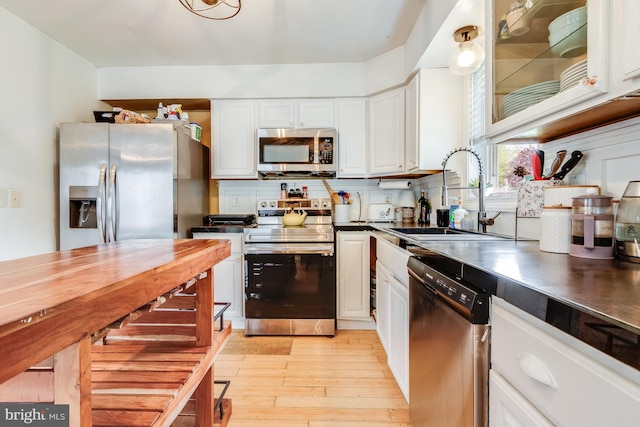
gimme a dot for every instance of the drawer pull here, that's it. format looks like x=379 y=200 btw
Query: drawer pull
x=536 y=369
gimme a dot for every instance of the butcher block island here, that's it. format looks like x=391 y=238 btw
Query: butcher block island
x=124 y=333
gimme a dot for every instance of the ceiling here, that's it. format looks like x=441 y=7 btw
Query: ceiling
x=113 y=33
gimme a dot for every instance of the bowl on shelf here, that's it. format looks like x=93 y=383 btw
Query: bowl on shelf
x=568 y=33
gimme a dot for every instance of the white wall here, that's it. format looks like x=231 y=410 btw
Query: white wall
x=42 y=84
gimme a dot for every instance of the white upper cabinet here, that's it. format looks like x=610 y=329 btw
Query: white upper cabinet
x=233 y=141
x=276 y=114
x=626 y=15
x=549 y=64
x=305 y=113
x=386 y=133
x=433 y=125
x=352 y=137
x=412 y=124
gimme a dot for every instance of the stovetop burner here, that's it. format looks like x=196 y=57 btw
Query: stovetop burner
x=229 y=219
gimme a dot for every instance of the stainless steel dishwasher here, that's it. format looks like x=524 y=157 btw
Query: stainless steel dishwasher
x=448 y=344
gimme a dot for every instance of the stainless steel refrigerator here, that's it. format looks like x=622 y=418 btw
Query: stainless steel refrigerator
x=130 y=181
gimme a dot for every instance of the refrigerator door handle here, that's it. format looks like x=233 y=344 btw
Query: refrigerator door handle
x=111 y=206
x=100 y=203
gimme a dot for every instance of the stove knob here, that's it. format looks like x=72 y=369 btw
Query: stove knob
x=272 y=204
x=315 y=203
x=263 y=204
x=325 y=204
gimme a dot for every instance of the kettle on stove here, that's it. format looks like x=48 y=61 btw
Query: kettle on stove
x=294 y=218
x=628 y=224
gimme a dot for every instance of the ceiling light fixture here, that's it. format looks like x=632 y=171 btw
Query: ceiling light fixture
x=213 y=9
x=467 y=57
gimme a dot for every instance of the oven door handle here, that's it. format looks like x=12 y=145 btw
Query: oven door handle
x=271 y=249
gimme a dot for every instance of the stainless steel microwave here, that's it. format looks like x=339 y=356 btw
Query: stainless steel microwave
x=297 y=150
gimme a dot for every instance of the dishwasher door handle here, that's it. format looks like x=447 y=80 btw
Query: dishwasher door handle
x=422 y=282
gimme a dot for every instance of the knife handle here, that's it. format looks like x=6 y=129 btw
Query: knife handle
x=571 y=163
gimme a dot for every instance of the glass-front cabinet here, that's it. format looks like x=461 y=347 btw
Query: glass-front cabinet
x=546 y=59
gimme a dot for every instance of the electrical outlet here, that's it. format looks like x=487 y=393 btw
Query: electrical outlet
x=387 y=198
x=577 y=179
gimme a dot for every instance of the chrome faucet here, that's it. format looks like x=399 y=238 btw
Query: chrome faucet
x=482 y=214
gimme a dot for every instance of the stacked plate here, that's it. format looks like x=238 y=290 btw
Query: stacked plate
x=529 y=95
x=573 y=75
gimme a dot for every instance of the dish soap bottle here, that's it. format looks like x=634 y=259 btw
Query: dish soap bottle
x=458 y=216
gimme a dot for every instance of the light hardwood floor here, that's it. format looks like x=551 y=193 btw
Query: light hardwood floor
x=311 y=382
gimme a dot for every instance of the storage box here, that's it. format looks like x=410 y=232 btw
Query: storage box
x=196 y=131
x=105 y=116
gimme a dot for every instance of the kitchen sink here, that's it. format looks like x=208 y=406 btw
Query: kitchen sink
x=426 y=230
x=442 y=233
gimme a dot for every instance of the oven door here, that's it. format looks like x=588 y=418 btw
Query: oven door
x=287 y=283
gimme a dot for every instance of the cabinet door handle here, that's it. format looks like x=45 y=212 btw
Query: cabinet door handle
x=535 y=368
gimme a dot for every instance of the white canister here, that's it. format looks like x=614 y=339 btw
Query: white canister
x=555 y=229
x=341 y=213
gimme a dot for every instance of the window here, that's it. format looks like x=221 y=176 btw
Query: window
x=505 y=164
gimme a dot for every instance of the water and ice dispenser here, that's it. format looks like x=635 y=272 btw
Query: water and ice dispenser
x=82 y=206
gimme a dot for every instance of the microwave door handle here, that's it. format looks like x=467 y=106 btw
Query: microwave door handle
x=100 y=203
x=316 y=149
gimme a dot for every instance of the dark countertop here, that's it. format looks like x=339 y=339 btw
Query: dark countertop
x=607 y=289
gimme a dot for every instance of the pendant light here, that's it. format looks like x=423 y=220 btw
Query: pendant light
x=213 y=9
x=467 y=57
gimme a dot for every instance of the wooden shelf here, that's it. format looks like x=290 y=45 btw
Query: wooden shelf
x=147 y=385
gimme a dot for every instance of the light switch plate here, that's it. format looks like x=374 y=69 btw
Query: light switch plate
x=14 y=198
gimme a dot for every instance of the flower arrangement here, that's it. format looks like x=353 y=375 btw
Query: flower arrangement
x=520 y=166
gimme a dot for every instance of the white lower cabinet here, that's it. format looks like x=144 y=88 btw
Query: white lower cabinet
x=382 y=304
x=392 y=309
x=229 y=277
x=398 y=349
x=540 y=373
x=353 y=281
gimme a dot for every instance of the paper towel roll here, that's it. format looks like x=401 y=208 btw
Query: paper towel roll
x=394 y=185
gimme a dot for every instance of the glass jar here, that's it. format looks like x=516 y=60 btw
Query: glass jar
x=592 y=226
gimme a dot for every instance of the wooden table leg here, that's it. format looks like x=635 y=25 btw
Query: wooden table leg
x=72 y=381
